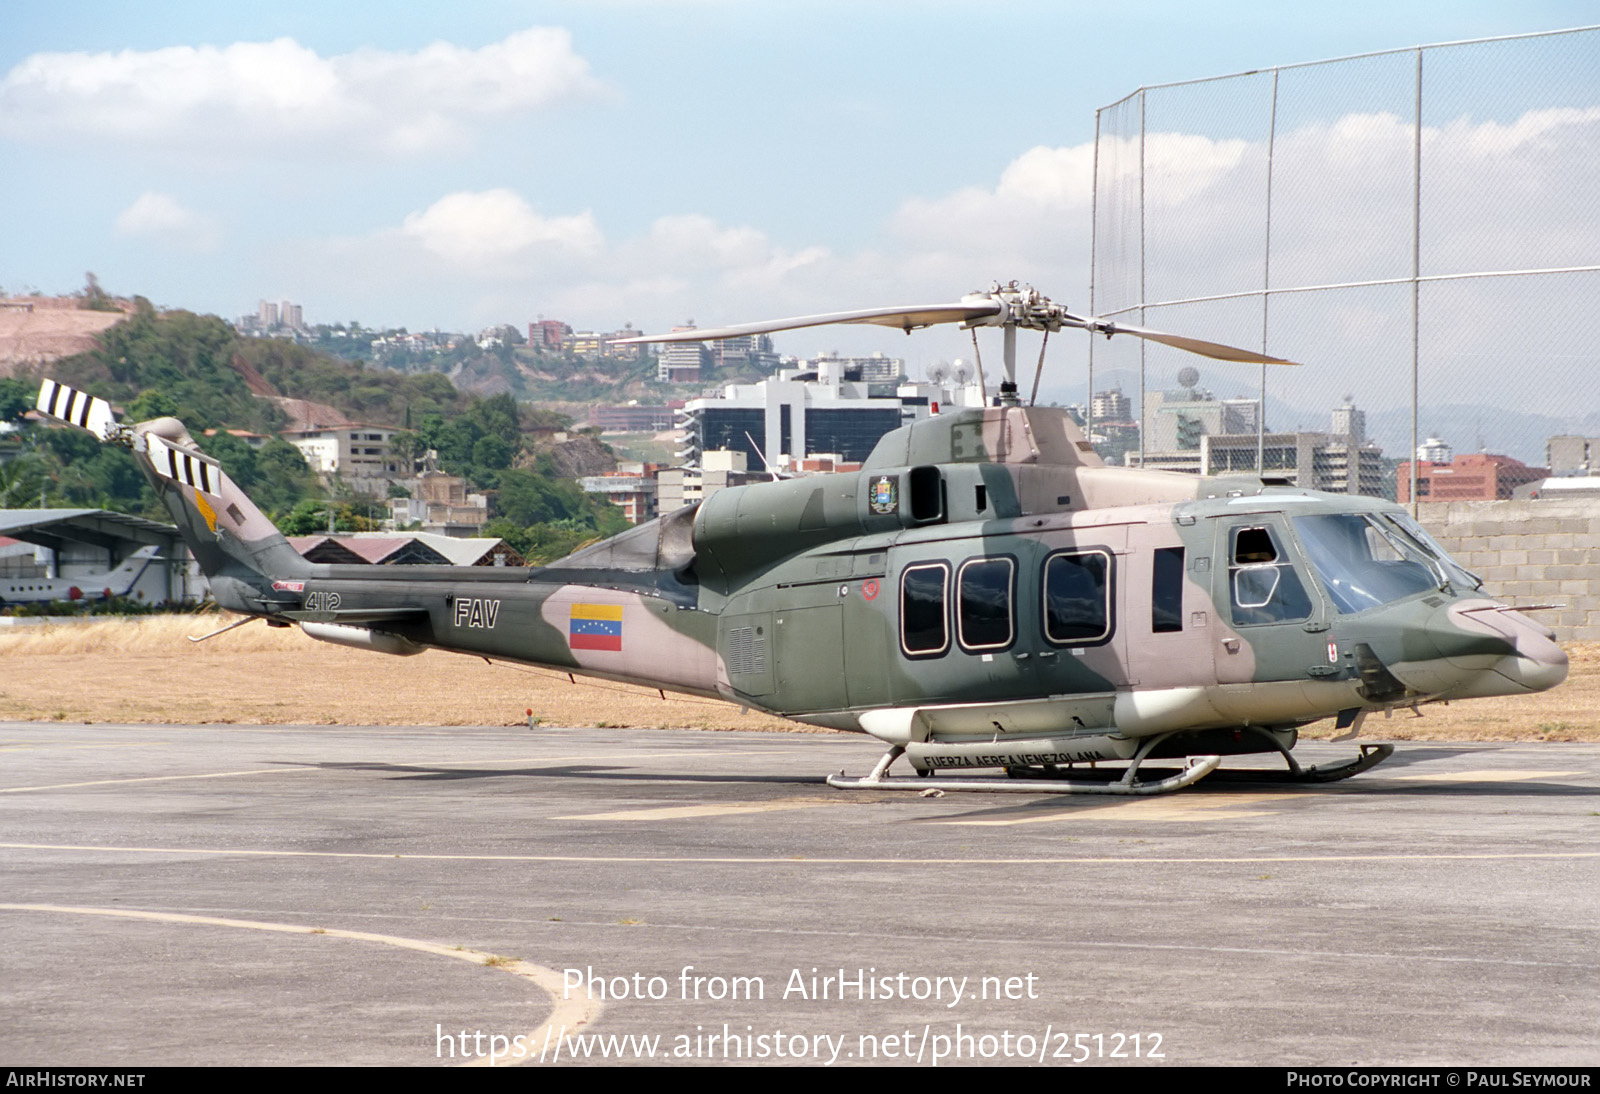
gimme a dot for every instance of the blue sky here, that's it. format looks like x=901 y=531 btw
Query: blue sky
x=604 y=162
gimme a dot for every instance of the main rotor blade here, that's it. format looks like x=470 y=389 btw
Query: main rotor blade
x=906 y=317
x=1193 y=345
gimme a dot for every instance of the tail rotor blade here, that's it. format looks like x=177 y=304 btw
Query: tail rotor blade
x=72 y=406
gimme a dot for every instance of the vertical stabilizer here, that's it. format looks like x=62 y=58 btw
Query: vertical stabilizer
x=240 y=551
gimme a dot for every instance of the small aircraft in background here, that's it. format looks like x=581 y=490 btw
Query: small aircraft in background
x=117 y=582
x=984 y=593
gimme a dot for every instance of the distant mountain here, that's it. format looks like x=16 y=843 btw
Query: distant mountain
x=1466 y=427
x=1475 y=426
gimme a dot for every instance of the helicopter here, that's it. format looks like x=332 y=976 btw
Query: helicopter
x=984 y=594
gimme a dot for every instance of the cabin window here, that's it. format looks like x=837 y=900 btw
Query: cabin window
x=1166 y=591
x=1077 y=597
x=985 y=619
x=1264 y=585
x=924 y=627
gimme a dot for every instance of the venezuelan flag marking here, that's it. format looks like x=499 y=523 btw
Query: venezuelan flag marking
x=595 y=627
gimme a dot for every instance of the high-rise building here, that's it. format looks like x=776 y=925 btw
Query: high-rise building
x=681 y=362
x=1176 y=420
x=1433 y=450
x=632 y=487
x=798 y=413
x=1111 y=406
x=548 y=333
x=1207 y=436
x=1569 y=454
x=874 y=368
x=1350 y=422
x=753 y=352
x=358 y=455
x=718 y=470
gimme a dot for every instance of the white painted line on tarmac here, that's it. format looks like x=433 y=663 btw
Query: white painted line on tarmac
x=1187 y=807
x=677 y=812
x=1135 y=861
x=1486 y=775
x=34 y=746
x=570 y=1014
x=155 y=779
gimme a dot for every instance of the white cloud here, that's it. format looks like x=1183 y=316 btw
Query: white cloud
x=1031 y=225
x=1040 y=195
x=1497 y=194
x=732 y=257
x=699 y=242
x=493 y=227
x=485 y=256
x=497 y=235
x=280 y=94
x=1342 y=194
x=162 y=219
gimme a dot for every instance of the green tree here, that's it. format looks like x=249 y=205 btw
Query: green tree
x=151 y=403
x=20 y=480
x=16 y=398
x=94 y=297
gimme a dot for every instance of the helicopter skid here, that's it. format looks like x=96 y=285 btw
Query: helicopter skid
x=1035 y=780
x=1198 y=769
x=1371 y=756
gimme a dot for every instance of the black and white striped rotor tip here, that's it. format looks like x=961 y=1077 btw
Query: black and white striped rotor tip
x=72 y=406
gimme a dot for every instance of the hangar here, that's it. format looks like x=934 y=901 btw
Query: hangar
x=89 y=541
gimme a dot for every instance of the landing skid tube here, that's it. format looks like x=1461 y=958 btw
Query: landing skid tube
x=880 y=779
x=1371 y=756
x=1197 y=769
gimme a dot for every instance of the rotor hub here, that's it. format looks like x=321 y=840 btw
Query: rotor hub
x=1025 y=307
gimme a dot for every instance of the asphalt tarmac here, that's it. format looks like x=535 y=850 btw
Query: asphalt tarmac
x=330 y=895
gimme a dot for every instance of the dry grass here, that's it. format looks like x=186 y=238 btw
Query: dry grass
x=144 y=634
x=144 y=670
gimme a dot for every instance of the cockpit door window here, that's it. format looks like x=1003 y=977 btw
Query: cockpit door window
x=1263 y=585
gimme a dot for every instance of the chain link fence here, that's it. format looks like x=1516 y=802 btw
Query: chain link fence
x=1420 y=229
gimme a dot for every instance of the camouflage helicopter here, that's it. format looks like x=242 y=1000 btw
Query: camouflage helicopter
x=985 y=593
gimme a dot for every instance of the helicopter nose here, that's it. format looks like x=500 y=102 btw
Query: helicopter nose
x=1503 y=651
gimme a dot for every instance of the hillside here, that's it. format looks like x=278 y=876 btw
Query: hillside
x=35 y=330
x=198 y=369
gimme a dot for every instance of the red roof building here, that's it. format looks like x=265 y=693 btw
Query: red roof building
x=1479 y=476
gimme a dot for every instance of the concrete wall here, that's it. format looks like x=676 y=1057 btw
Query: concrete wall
x=1544 y=551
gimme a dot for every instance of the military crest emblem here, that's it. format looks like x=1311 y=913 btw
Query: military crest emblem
x=885 y=496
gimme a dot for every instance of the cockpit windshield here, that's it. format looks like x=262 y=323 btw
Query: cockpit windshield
x=1456 y=573
x=1364 y=561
